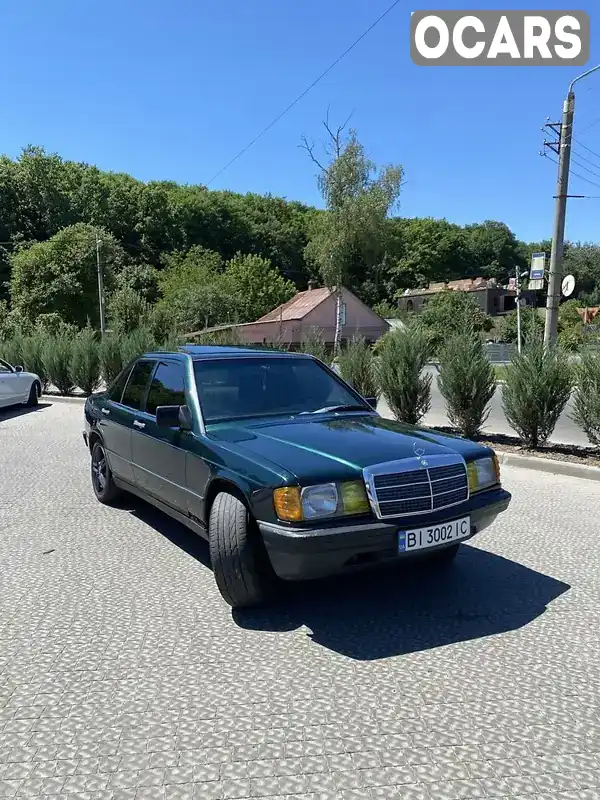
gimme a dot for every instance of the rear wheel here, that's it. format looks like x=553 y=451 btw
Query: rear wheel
x=102 y=480
x=240 y=563
x=34 y=394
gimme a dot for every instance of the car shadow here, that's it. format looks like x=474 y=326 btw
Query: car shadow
x=18 y=411
x=390 y=611
x=182 y=537
x=411 y=608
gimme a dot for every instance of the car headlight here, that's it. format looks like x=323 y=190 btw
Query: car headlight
x=483 y=473
x=296 y=504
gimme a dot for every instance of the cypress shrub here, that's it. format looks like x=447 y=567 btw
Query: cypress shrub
x=403 y=355
x=586 y=397
x=314 y=344
x=467 y=382
x=357 y=366
x=56 y=357
x=33 y=361
x=12 y=349
x=111 y=358
x=538 y=384
x=135 y=343
x=85 y=361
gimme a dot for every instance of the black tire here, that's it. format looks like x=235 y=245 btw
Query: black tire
x=102 y=480
x=240 y=563
x=444 y=556
x=34 y=394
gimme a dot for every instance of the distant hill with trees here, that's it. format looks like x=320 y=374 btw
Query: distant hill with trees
x=193 y=257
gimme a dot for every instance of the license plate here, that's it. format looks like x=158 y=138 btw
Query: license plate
x=434 y=535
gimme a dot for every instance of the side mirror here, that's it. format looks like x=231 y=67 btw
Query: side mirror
x=372 y=401
x=19 y=368
x=174 y=417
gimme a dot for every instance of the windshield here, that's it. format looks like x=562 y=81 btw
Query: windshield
x=235 y=388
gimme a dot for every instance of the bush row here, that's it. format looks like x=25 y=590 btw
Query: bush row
x=80 y=360
x=537 y=383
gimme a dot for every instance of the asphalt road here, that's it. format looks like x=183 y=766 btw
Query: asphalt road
x=123 y=675
x=566 y=431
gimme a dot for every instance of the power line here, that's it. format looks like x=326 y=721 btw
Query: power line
x=583 y=166
x=595 y=122
x=575 y=174
x=580 y=144
x=305 y=92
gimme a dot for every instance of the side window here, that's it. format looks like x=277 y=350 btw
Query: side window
x=4 y=367
x=116 y=390
x=167 y=387
x=135 y=391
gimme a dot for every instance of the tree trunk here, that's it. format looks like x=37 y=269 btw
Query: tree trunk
x=338 y=322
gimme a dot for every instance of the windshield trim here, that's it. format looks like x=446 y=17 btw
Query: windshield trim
x=273 y=357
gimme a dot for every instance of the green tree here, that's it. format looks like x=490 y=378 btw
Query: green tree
x=142 y=279
x=429 y=250
x=358 y=201
x=60 y=275
x=127 y=310
x=451 y=312
x=255 y=286
x=184 y=271
x=494 y=252
x=532 y=326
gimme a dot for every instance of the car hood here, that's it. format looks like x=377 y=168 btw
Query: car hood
x=339 y=447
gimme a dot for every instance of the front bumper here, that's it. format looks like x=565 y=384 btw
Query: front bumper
x=299 y=553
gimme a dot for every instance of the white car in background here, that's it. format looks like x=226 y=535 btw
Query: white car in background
x=17 y=386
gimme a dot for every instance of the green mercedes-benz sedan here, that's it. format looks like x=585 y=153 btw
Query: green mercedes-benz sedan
x=285 y=469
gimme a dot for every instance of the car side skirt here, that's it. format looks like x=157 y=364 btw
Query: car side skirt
x=195 y=526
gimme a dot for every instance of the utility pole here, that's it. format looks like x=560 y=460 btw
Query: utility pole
x=560 y=212
x=100 y=287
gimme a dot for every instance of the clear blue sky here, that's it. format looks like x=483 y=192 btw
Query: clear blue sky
x=172 y=90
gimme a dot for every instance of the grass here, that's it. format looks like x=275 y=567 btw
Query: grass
x=500 y=370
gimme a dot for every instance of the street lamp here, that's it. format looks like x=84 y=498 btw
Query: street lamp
x=518 y=288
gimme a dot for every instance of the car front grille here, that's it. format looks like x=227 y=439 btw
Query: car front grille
x=417 y=485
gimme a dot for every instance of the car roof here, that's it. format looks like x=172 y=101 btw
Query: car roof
x=198 y=352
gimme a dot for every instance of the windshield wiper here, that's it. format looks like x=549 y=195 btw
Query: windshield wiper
x=324 y=410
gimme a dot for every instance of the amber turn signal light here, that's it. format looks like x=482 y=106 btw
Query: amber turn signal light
x=288 y=505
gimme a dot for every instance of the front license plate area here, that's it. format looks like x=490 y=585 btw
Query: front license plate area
x=434 y=535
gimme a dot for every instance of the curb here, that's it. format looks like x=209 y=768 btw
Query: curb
x=549 y=465
x=59 y=398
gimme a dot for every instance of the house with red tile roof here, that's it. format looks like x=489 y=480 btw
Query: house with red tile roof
x=291 y=322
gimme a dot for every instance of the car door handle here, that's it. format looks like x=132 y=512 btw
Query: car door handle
x=139 y=424
x=106 y=411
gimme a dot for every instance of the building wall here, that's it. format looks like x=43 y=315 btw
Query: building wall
x=360 y=321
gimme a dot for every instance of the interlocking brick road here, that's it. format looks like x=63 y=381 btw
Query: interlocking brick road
x=123 y=674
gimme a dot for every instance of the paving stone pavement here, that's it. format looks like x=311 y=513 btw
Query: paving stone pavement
x=123 y=674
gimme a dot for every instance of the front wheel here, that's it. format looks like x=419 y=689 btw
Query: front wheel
x=34 y=394
x=102 y=480
x=240 y=564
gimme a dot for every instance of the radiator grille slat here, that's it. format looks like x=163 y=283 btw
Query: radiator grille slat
x=402 y=492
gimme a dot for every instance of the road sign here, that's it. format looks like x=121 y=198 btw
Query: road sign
x=512 y=283
x=536 y=285
x=538 y=266
x=568 y=286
